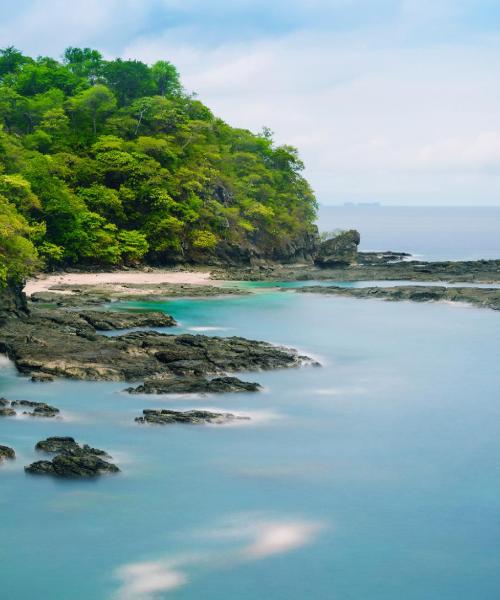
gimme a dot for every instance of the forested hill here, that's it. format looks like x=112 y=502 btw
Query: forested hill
x=112 y=162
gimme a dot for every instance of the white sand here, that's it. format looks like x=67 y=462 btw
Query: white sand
x=43 y=283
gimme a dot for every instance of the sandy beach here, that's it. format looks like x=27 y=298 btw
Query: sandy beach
x=44 y=283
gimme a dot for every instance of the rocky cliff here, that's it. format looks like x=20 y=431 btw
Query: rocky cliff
x=12 y=301
x=339 y=251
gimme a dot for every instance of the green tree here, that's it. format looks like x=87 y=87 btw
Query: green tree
x=94 y=104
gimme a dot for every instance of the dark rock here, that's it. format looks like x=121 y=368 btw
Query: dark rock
x=7 y=412
x=193 y=417
x=12 y=301
x=481 y=297
x=40 y=409
x=341 y=250
x=42 y=377
x=6 y=453
x=72 y=460
x=194 y=385
x=39 y=344
x=109 y=320
x=68 y=466
x=4 y=402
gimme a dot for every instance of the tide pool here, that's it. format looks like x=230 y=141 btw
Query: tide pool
x=375 y=476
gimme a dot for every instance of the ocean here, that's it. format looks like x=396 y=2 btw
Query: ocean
x=373 y=476
x=429 y=233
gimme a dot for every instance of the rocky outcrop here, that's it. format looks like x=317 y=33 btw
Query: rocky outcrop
x=192 y=417
x=477 y=271
x=62 y=347
x=6 y=453
x=481 y=297
x=341 y=250
x=6 y=411
x=72 y=460
x=193 y=385
x=12 y=301
x=40 y=409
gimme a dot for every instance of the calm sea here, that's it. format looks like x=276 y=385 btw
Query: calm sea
x=431 y=233
x=373 y=477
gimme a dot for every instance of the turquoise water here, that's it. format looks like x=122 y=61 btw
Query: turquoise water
x=375 y=476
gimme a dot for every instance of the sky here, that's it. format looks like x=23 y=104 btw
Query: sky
x=390 y=101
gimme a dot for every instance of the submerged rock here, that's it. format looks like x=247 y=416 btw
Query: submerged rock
x=42 y=377
x=193 y=417
x=194 y=385
x=40 y=409
x=72 y=461
x=6 y=453
x=7 y=412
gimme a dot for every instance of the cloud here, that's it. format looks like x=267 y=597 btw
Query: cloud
x=145 y=580
x=378 y=95
x=476 y=153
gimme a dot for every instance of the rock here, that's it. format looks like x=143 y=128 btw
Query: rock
x=6 y=453
x=67 y=466
x=193 y=417
x=341 y=250
x=4 y=402
x=72 y=460
x=40 y=409
x=108 y=320
x=12 y=301
x=480 y=297
x=42 y=377
x=66 y=445
x=65 y=350
x=194 y=385
x=7 y=412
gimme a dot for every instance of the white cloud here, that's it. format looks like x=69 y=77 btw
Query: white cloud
x=379 y=107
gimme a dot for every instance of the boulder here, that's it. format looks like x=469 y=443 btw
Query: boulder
x=341 y=250
x=192 y=417
x=72 y=460
x=40 y=409
x=193 y=385
x=6 y=453
x=7 y=412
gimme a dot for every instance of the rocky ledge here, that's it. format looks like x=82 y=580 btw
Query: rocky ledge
x=61 y=343
x=193 y=385
x=6 y=453
x=193 y=417
x=482 y=297
x=373 y=266
x=72 y=460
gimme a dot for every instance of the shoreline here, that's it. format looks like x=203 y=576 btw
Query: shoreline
x=117 y=280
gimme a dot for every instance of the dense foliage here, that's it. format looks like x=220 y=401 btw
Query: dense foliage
x=109 y=162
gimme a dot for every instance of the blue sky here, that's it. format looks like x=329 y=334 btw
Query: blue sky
x=396 y=101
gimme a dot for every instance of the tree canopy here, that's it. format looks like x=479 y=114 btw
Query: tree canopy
x=111 y=162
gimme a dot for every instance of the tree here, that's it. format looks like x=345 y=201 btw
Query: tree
x=129 y=79
x=166 y=78
x=11 y=60
x=18 y=256
x=84 y=62
x=94 y=104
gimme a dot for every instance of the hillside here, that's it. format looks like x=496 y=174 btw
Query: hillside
x=112 y=162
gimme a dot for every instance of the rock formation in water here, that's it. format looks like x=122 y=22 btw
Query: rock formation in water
x=193 y=385
x=72 y=460
x=6 y=453
x=192 y=417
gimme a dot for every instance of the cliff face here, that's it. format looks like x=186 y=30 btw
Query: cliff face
x=12 y=301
